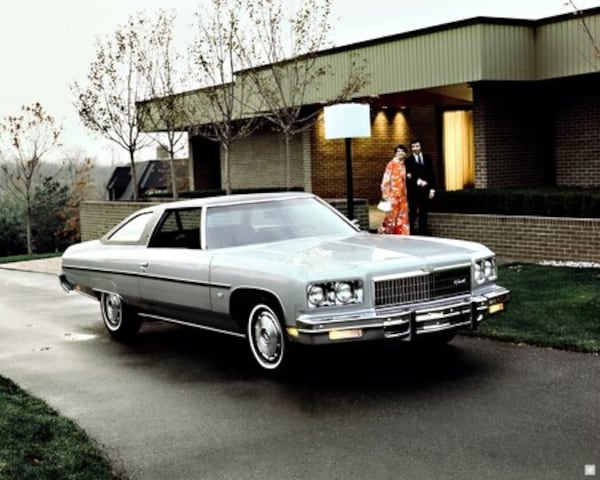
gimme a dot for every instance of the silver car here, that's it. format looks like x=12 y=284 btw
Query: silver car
x=278 y=269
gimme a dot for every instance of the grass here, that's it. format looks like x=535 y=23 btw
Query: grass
x=36 y=443
x=551 y=306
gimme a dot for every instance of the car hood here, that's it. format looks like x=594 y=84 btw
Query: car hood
x=365 y=251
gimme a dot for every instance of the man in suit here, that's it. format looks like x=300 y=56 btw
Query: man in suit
x=420 y=183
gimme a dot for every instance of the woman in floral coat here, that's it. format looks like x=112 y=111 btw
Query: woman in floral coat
x=393 y=189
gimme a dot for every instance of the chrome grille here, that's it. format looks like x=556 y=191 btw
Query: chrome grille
x=419 y=288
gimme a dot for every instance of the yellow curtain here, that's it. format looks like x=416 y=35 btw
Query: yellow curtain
x=459 y=149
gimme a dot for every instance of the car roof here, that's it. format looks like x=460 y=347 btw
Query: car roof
x=231 y=199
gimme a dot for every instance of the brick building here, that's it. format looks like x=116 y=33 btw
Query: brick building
x=496 y=102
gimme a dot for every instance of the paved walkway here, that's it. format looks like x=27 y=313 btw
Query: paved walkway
x=44 y=265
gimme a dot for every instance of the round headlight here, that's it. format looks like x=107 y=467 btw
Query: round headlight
x=316 y=294
x=479 y=272
x=488 y=269
x=343 y=292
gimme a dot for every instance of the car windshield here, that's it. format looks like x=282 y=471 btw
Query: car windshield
x=271 y=221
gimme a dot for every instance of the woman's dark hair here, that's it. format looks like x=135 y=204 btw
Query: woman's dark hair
x=400 y=147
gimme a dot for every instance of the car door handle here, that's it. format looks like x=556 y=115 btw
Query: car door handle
x=143 y=264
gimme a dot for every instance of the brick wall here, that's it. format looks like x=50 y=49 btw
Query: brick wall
x=537 y=134
x=259 y=161
x=97 y=218
x=524 y=238
x=576 y=131
x=510 y=135
x=370 y=155
x=361 y=209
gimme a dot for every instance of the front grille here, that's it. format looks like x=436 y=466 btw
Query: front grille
x=421 y=288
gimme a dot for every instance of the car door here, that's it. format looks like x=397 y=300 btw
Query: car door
x=174 y=274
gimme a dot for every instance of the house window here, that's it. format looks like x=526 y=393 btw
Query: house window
x=459 y=149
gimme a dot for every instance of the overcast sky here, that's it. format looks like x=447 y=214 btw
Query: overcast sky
x=47 y=44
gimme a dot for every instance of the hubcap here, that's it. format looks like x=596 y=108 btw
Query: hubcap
x=266 y=338
x=112 y=308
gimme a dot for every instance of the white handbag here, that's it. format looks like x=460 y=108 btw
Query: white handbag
x=384 y=206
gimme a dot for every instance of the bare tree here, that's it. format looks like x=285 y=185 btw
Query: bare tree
x=28 y=138
x=77 y=177
x=222 y=111
x=587 y=32
x=106 y=102
x=161 y=64
x=285 y=49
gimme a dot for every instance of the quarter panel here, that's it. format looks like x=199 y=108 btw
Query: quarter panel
x=104 y=267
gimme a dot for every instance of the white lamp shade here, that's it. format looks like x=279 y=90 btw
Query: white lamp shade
x=347 y=120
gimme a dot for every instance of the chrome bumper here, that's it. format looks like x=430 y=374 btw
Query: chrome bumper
x=64 y=283
x=403 y=322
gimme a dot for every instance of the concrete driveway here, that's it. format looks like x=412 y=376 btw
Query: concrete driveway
x=182 y=404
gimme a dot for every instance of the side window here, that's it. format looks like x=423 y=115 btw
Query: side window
x=178 y=229
x=226 y=227
x=131 y=232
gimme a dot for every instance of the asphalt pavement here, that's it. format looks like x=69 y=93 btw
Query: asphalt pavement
x=184 y=404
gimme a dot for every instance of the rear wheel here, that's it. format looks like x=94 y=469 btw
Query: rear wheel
x=120 y=319
x=266 y=337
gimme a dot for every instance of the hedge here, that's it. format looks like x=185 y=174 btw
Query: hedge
x=545 y=202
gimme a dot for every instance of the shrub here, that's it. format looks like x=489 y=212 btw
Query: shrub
x=13 y=238
x=548 y=202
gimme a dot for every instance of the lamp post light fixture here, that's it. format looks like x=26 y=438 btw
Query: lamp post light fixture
x=348 y=121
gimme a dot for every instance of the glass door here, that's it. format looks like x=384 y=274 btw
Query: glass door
x=459 y=149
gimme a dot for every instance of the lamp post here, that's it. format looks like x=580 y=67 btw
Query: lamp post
x=348 y=121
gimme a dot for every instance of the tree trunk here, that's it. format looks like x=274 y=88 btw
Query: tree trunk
x=226 y=166
x=28 y=230
x=173 y=177
x=288 y=161
x=136 y=186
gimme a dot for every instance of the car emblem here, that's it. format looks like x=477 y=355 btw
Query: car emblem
x=459 y=281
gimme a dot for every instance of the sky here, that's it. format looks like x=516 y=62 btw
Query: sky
x=45 y=45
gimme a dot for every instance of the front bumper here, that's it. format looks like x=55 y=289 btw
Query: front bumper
x=404 y=322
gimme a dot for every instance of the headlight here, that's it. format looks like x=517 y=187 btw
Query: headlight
x=489 y=269
x=326 y=294
x=485 y=270
x=316 y=295
x=478 y=273
x=343 y=292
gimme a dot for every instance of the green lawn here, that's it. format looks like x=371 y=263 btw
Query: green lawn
x=551 y=306
x=36 y=443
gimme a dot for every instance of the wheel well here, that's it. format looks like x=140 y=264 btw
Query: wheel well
x=243 y=299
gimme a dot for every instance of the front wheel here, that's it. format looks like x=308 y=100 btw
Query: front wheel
x=266 y=337
x=120 y=319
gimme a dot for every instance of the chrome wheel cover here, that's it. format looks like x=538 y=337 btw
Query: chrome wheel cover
x=112 y=311
x=266 y=337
